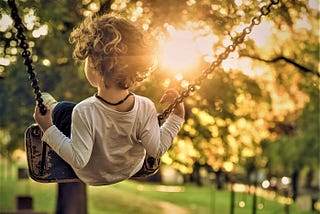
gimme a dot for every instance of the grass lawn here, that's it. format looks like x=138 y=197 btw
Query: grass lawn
x=139 y=198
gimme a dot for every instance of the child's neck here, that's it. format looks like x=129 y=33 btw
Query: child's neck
x=114 y=95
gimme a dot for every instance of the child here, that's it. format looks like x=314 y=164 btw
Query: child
x=113 y=130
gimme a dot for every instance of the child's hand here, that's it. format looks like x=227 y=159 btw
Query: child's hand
x=44 y=121
x=169 y=97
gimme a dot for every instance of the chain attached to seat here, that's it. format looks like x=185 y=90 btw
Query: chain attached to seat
x=26 y=54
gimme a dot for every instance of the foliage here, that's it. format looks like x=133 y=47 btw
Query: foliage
x=300 y=150
x=265 y=92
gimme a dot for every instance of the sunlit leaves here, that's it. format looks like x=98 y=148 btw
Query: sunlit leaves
x=182 y=155
x=236 y=109
x=6 y=22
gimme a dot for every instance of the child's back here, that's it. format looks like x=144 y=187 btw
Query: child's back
x=112 y=131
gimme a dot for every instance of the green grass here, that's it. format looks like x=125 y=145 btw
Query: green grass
x=135 y=197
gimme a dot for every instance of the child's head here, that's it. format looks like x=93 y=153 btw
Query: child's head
x=116 y=48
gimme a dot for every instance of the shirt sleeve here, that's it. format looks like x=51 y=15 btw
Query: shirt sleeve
x=76 y=150
x=157 y=140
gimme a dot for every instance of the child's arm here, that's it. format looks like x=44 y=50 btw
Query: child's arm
x=157 y=140
x=76 y=154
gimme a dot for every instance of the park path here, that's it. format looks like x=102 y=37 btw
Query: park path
x=168 y=207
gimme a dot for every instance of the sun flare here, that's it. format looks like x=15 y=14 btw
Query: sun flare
x=178 y=52
x=185 y=49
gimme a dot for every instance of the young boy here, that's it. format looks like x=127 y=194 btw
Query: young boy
x=113 y=130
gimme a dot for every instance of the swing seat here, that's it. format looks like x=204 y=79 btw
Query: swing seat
x=44 y=164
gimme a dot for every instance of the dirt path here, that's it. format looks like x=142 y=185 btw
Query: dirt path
x=168 y=207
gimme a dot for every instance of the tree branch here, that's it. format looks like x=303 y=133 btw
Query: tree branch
x=279 y=58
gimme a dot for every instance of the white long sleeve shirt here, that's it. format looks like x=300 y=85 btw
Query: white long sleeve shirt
x=107 y=146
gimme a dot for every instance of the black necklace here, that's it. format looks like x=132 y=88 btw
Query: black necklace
x=113 y=104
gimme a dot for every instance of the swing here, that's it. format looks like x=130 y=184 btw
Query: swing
x=44 y=164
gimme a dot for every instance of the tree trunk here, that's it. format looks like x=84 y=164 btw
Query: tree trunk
x=219 y=179
x=196 y=174
x=72 y=198
x=295 y=184
x=309 y=179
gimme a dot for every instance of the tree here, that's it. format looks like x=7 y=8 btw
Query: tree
x=259 y=93
x=300 y=145
x=264 y=103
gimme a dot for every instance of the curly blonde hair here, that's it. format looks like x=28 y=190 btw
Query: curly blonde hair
x=116 y=48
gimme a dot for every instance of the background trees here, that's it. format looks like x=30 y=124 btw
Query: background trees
x=259 y=109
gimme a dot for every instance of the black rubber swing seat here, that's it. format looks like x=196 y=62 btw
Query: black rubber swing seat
x=44 y=164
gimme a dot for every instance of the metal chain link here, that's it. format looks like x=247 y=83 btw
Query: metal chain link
x=265 y=10
x=26 y=54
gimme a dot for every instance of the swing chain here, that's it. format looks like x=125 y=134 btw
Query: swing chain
x=26 y=54
x=264 y=11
